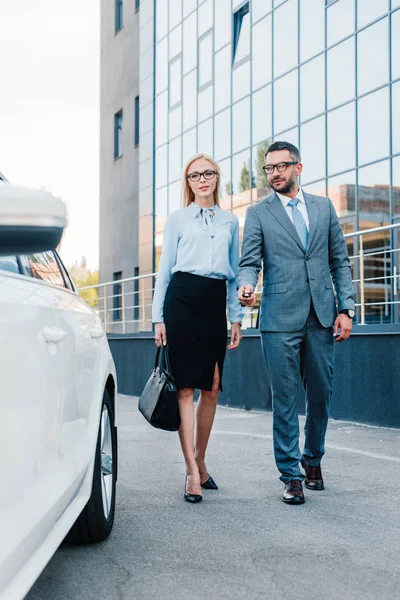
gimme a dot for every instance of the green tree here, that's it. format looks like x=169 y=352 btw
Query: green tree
x=228 y=188
x=244 y=183
x=261 y=176
x=83 y=277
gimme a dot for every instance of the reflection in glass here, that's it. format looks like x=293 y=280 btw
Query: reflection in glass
x=342 y=192
x=175 y=122
x=205 y=137
x=222 y=142
x=146 y=174
x=175 y=13
x=340 y=73
x=286 y=102
x=162 y=118
x=396 y=117
x=205 y=103
x=222 y=25
x=312 y=149
x=175 y=42
x=241 y=125
x=395 y=3
x=189 y=100
x=342 y=139
x=396 y=189
x=242 y=183
x=373 y=127
x=312 y=88
x=161 y=216
x=242 y=48
x=316 y=189
x=222 y=78
x=189 y=44
x=261 y=187
x=175 y=159
x=262 y=53
x=146 y=118
x=162 y=65
x=225 y=188
x=373 y=61
x=146 y=91
x=262 y=114
x=146 y=145
x=312 y=29
x=189 y=144
x=205 y=21
x=368 y=11
x=175 y=201
x=341 y=20
x=285 y=38
x=241 y=81
x=396 y=45
x=373 y=192
x=162 y=19
x=260 y=8
x=175 y=74
x=205 y=60
x=189 y=6
x=292 y=136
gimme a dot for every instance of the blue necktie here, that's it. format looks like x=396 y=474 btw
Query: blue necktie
x=299 y=222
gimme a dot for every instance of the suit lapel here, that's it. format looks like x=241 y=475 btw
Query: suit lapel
x=275 y=207
x=312 y=210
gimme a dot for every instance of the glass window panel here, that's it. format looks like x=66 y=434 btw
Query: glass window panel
x=162 y=118
x=285 y=102
x=223 y=23
x=205 y=60
x=285 y=28
x=373 y=60
x=205 y=106
x=262 y=53
x=318 y=188
x=395 y=3
x=162 y=66
x=146 y=64
x=162 y=19
x=312 y=88
x=225 y=188
x=261 y=187
x=175 y=122
x=146 y=91
x=222 y=78
x=175 y=159
x=373 y=127
x=146 y=118
x=342 y=192
x=175 y=200
x=222 y=126
x=205 y=137
x=189 y=100
x=373 y=194
x=189 y=144
x=241 y=125
x=396 y=45
x=262 y=114
x=146 y=145
x=396 y=191
x=292 y=136
x=189 y=6
x=146 y=37
x=340 y=73
x=175 y=77
x=43 y=266
x=342 y=139
x=189 y=44
x=341 y=20
x=175 y=13
x=312 y=28
x=242 y=183
x=9 y=263
x=312 y=149
x=242 y=49
x=368 y=11
x=161 y=216
x=146 y=201
x=146 y=174
x=260 y=8
x=175 y=42
x=205 y=21
x=146 y=12
x=241 y=81
x=161 y=175
x=396 y=117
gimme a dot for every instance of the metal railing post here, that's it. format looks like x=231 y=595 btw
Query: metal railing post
x=143 y=305
x=105 y=308
x=123 y=306
x=362 y=284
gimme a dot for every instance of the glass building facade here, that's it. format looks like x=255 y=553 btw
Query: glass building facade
x=228 y=77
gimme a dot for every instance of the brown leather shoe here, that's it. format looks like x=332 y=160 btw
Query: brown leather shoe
x=313 y=479
x=293 y=492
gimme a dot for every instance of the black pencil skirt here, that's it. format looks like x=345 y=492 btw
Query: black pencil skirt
x=195 y=320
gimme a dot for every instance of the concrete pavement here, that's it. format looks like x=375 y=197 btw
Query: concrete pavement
x=242 y=541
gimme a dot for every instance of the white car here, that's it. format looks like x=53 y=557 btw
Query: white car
x=58 y=398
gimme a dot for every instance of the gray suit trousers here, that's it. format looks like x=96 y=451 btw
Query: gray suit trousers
x=295 y=358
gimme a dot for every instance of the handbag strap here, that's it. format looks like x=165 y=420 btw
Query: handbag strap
x=162 y=359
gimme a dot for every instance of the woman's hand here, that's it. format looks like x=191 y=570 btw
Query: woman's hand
x=236 y=336
x=160 y=335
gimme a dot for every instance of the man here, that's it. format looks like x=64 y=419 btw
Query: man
x=298 y=239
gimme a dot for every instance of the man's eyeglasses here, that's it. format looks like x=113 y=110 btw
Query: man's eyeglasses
x=196 y=176
x=282 y=166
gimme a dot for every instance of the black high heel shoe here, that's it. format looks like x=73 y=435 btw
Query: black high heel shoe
x=209 y=484
x=192 y=498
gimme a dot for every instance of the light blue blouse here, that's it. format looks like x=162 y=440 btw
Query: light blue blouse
x=202 y=242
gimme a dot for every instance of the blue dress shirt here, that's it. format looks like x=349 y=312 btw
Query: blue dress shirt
x=202 y=242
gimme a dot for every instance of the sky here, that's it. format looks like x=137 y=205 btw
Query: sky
x=49 y=109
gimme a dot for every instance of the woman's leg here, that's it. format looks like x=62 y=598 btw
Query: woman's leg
x=205 y=414
x=186 y=435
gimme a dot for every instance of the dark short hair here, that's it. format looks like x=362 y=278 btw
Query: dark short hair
x=294 y=152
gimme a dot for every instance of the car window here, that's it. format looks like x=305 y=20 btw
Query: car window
x=9 y=263
x=67 y=278
x=43 y=266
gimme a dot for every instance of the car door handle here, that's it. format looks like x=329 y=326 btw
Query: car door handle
x=96 y=332
x=53 y=335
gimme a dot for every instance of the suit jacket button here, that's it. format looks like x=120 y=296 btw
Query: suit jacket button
x=308 y=281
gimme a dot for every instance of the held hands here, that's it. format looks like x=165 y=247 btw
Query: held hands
x=345 y=324
x=160 y=335
x=249 y=297
x=236 y=336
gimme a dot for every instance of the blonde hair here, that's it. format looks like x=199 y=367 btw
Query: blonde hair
x=188 y=194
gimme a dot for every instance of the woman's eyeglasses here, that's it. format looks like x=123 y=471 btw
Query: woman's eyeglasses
x=282 y=166
x=196 y=176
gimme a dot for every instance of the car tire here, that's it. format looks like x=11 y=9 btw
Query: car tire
x=95 y=522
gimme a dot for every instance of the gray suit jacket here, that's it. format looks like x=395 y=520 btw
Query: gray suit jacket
x=292 y=276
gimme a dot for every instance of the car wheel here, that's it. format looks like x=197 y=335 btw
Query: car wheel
x=95 y=522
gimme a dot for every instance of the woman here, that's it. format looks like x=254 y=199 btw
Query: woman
x=197 y=272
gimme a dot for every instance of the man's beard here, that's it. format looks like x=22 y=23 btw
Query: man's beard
x=287 y=188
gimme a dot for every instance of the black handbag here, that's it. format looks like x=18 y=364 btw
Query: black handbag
x=159 y=402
